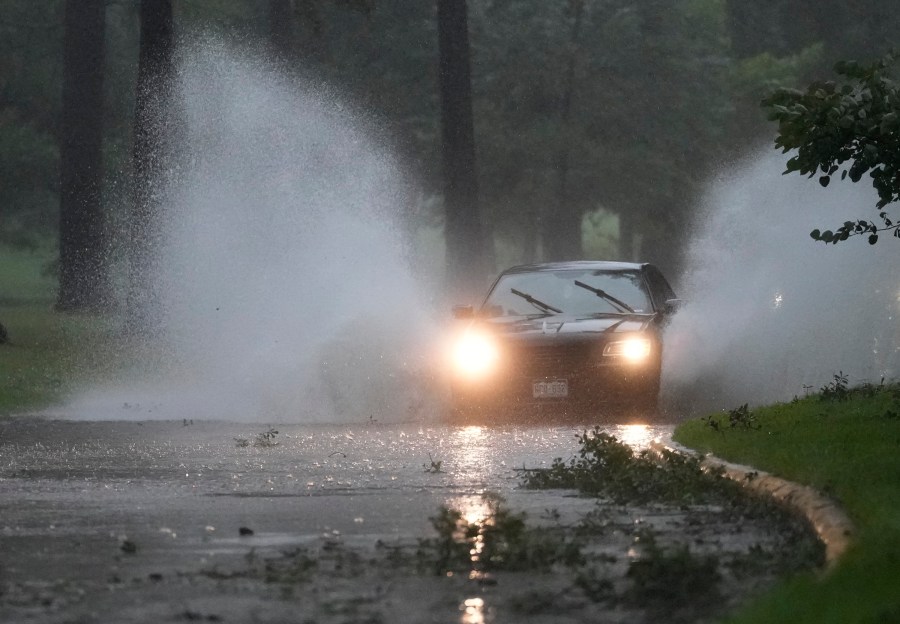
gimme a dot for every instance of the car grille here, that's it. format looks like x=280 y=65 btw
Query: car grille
x=551 y=360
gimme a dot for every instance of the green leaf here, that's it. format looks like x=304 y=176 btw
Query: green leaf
x=848 y=127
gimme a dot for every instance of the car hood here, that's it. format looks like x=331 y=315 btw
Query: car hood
x=568 y=325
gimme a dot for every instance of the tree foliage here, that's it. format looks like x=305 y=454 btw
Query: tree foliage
x=851 y=128
x=639 y=124
x=30 y=73
x=625 y=115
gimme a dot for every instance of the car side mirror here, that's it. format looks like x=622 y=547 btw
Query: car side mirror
x=672 y=306
x=462 y=312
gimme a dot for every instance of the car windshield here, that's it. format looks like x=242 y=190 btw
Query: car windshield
x=545 y=292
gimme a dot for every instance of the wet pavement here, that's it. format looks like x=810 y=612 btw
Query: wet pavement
x=177 y=521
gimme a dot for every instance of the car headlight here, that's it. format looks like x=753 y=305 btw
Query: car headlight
x=475 y=354
x=631 y=349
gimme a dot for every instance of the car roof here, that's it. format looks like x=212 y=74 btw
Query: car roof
x=591 y=265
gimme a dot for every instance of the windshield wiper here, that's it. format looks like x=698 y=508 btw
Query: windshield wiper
x=546 y=307
x=623 y=307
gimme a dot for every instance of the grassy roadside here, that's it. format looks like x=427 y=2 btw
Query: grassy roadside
x=846 y=443
x=48 y=353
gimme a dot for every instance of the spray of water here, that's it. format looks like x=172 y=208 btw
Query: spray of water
x=770 y=313
x=285 y=287
x=287 y=295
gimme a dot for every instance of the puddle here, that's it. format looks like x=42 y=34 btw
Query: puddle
x=338 y=516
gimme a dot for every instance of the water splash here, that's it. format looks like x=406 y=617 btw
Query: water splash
x=772 y=314
x=285 y=288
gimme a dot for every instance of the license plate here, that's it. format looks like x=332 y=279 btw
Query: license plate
x=550 y=388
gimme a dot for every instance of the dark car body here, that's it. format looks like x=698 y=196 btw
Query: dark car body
x=564 y=337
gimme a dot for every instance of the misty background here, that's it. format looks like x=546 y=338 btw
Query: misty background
x=302 y=263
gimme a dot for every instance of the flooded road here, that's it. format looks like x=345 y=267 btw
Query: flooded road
x=191 y=487
x=161 y=521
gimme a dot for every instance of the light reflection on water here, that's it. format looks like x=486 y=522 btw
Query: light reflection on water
x=471 y=456
x=473 y=460
x=473 y=611
x=471 y=448
x=636 y=436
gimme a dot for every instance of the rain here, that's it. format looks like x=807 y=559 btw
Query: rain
x=234 y=284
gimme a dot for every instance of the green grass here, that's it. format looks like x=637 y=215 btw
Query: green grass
x=48 y=354
x=24 y=279
x=850 y=450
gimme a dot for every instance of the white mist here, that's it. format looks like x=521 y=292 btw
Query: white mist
x=772 y=314
x=286 y=291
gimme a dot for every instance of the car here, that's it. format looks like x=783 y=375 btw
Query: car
x=580 y=337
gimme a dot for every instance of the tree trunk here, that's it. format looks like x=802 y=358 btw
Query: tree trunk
x=562 y=229
x=466 y=273
x=82 y=240
x=281 y=32
x=151 y=156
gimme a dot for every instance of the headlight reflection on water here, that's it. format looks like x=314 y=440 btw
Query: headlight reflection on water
x=471 y=448
x=473 y=611
x=473 y=457
x=471 y=453
x=636 y=436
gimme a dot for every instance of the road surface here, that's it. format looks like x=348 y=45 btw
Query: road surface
x=159 y=521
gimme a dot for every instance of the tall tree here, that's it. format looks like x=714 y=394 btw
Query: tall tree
x=562 y=229
x=463 y=228
x=151 y=155
x=300 y=28
x=647 y=96
x=82 y=242
x=281 y=26
x=31 y=59
x=789 y=43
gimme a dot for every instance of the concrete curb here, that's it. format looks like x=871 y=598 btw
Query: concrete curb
x=831 y=524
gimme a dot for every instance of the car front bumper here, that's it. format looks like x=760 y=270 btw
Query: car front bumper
x=592 y=387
